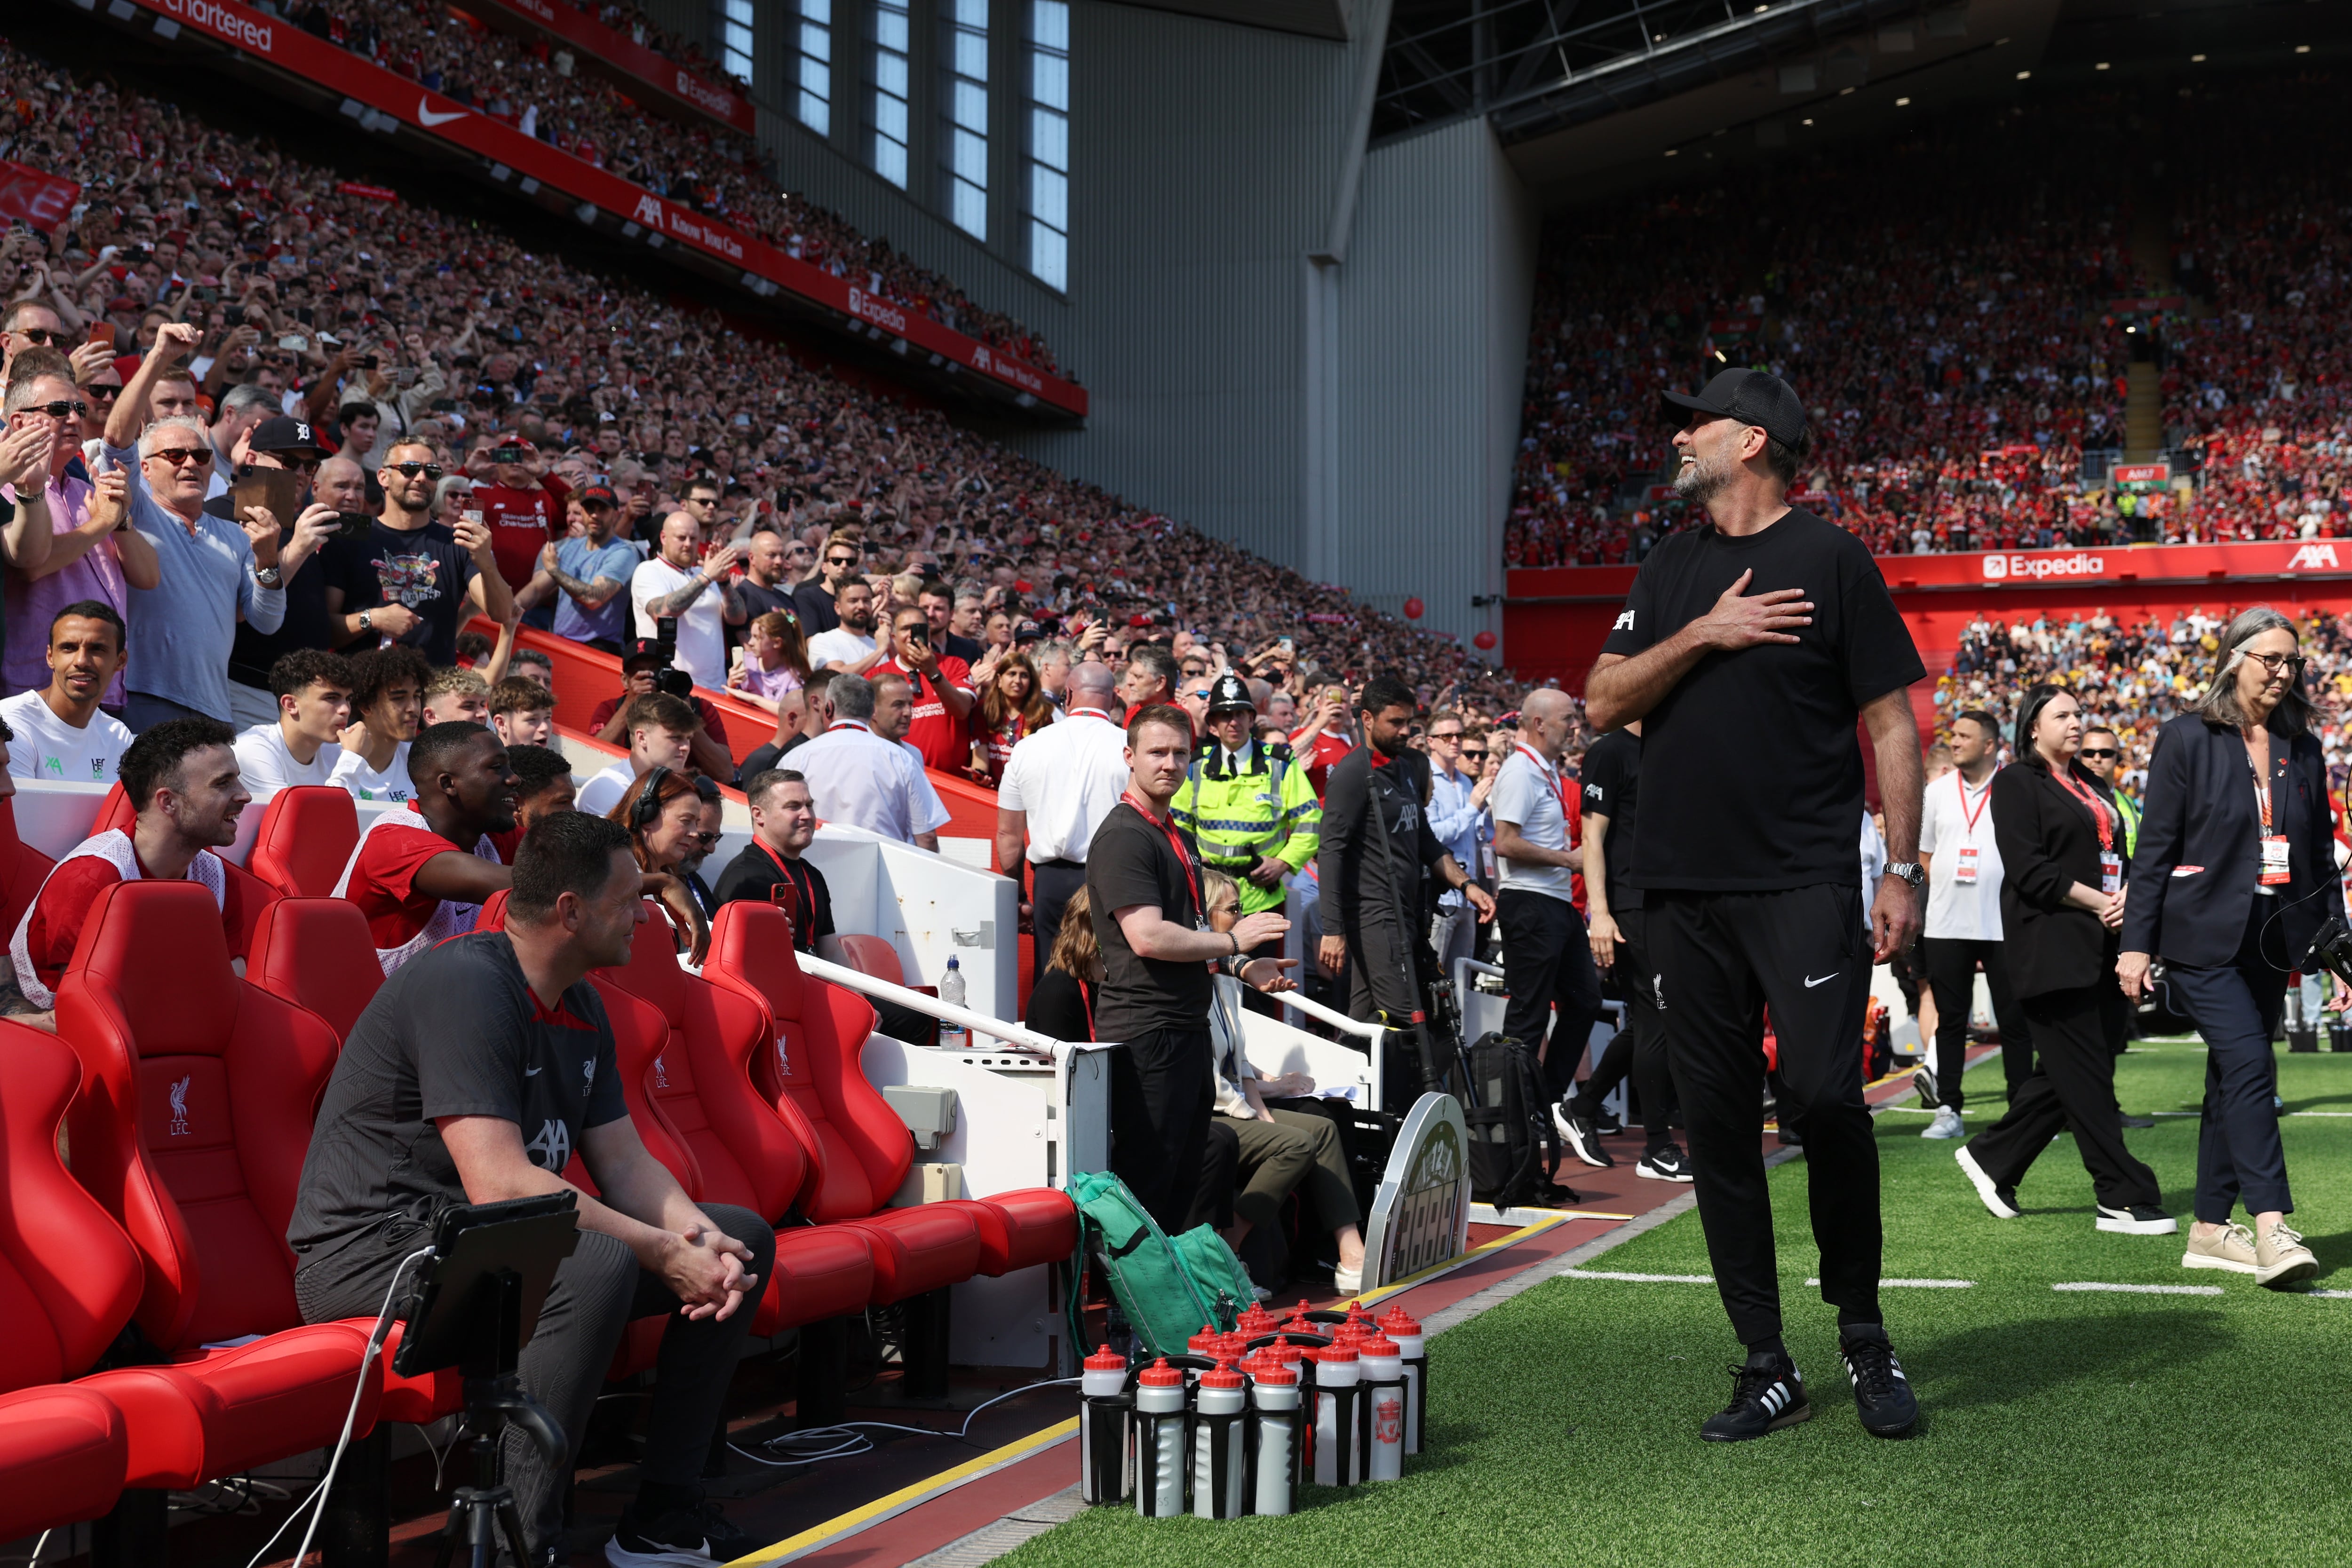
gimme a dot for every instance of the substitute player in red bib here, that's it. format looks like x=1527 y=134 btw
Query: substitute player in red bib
x=422 y=875
x=1764 y=636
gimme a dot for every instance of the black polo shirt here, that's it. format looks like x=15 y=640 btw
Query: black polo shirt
x=455 y=1032
x=755 y=874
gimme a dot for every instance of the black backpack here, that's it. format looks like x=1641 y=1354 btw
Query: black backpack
x=1513 y=1144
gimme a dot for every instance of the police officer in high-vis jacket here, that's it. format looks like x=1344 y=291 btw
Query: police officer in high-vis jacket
x=1247 y=806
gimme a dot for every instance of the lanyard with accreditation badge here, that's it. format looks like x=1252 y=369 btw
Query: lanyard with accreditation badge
x=2275 y=872
x=1965 y=863
x=2111 y=865
x=1558 y=782
x=1176 y=844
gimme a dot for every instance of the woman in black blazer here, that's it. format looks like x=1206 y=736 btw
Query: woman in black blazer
x=2237 y=873
x=2061 y=856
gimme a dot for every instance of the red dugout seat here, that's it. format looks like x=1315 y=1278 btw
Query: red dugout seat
x=315 y=951
x=190 y=1132
x=701 y=1080
x=22 y=869
x=863 y=1149
x=305 y=838
x=866 y=954
x=68 y=1279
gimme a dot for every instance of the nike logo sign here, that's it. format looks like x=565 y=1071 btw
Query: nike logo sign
x=426 y=116
x=530 y=1072
x=1825 y=979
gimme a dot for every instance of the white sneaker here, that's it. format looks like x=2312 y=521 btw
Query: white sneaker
x=1947 y=1125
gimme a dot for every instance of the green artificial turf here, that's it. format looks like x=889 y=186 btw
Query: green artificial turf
x=2057 y=1427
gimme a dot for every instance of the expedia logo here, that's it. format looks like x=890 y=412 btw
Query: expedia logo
x=867 y=307
x=717 y=102
x=2000 y=566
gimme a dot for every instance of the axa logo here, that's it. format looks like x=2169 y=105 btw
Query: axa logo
x=2313 y=558
x=552 y=1150
x=980 y=357
x=1624 y=622
x=649 y=211
x=180 y=1106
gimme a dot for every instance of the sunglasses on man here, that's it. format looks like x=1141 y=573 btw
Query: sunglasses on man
x=60 y=409
x=181 y=456
x=411 y=470
x=46 y=337
x=2097 y=753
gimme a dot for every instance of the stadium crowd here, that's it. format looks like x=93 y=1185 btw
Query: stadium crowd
x=1954 y=401
x=718 y=172
x=294 y=283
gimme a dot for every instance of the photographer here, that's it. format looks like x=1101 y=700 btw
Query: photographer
x=2236 y=878
x=644 y=670
x=438 y=1099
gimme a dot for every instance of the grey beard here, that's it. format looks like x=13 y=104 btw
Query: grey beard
x=1699 y=481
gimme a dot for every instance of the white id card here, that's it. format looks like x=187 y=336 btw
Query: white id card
x=2275 y=866
x=1964 y=866
x=2110 y=871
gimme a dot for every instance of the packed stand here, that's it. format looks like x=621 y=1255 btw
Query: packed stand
x=537 y=88
x=2133 y=677
x=1952 y=397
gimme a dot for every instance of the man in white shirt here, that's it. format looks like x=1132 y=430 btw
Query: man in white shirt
x=1963 y=926
x=313 y=688
x=859 y=771
x=1547 y=956
x=850 y=647
x=59 y=732
x=661 y=735
x=1058 y=786
x=1457 y=819
x=678 y=582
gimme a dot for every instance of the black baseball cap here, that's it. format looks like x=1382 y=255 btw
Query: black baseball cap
x=1751 y=397
x=283 y=433
x=599 y=495
x=642 y=650
x=1230 y=692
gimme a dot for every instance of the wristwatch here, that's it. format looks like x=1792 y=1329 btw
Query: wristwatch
x=1909 y=871
x=267 y=576
x=367 y=620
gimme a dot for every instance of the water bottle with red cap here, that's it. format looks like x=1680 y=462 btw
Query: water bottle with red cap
x=1275 y=1448
x=1160 y=1425
x=1219 y=1466
x=1398 y=1326
x=1383 y=1403
x=1105 y=1438
x=1333 y=1436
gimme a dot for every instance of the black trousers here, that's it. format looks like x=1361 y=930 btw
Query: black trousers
x=1052 y=886
x=1640 y=1048
x=1951 y=974
x=1159 y=1104
x=2074 y=1086
x=1548 y=963
x=2236 y=1007
x=1722 y=958
x=597 y=1290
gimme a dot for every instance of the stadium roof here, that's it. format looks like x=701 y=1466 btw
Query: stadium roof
x=1316 y=18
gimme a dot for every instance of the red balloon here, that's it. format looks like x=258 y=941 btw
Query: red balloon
x=1483 y=641
x=1413 y=609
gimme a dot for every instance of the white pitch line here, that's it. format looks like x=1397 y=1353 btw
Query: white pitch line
x=2143 y=1290
x=1919 y=1284
x=1637 y=1278
x=2337 y=1295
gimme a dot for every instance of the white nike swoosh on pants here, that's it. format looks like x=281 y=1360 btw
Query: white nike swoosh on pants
x=1825 y=979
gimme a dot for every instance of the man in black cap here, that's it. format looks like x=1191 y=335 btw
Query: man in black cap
x=282 y=442
x=1762 y=638
x=643 y=660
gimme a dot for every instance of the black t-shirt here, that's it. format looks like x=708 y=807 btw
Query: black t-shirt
x=758 y=601
x=455 y=1032
x=1130 y=862
x=306 y=625
x=767 y=755
x=1057 y=1007
x=1611 y=775
x=422 y=569
x=815 y=607
x=1754 y=773
x=754 y=875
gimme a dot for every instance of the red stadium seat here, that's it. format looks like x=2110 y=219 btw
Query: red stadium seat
x=305 y=838
x=68 y=1279
x=191 y=1133
x=863 y=1149
x=747 y=1156
x=867 y=954
x=315 y=951
x=22 y=869
x=114 y=811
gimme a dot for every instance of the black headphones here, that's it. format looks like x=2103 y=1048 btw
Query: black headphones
x=647 y=811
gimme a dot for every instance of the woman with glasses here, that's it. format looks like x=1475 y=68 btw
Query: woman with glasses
x=2062 y=901
x=663 y=812
x=2237 y=879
